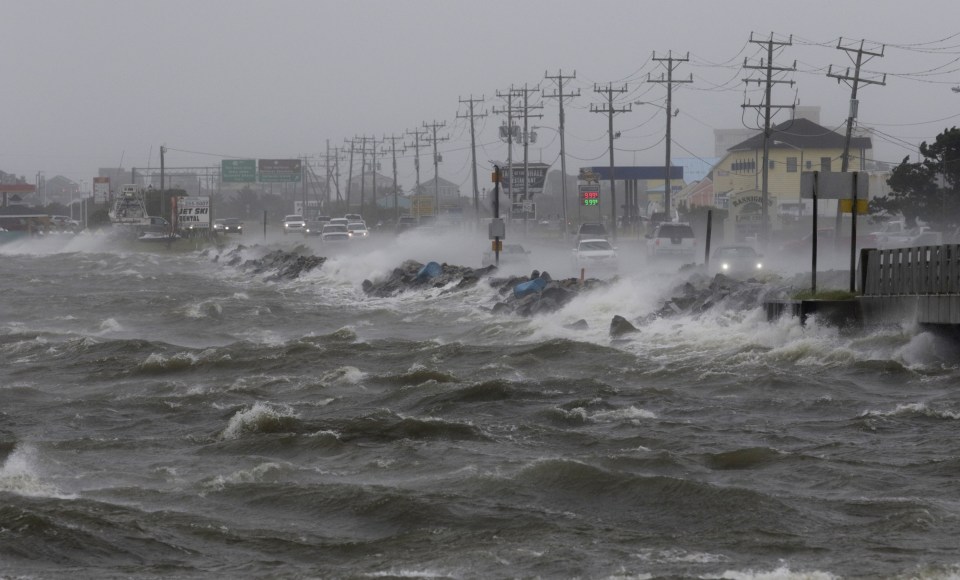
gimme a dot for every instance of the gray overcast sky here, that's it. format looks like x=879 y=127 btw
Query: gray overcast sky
x=92 y=82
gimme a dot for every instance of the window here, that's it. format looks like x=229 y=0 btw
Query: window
x=809 y=165
x=791 y=164
x=825 y=164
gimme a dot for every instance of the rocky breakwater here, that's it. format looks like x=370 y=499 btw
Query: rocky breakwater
x=700 y=294
x=278 y=264
x=521 y=295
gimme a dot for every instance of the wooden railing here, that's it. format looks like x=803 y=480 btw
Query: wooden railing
x=923 y=270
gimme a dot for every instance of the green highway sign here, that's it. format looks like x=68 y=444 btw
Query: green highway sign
x=279 y=170
x=238 y=170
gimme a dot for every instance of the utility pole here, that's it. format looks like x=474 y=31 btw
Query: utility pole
x=854 y=82
x=350 y=172
x=610 y=111
x=559 y=78
x=326 y=166
x=473 y=150
x=373 y=164
x=303 y=184
x=670 y=66
x=163 y=152
x=417 y=133
x=526 y=146
x=363 y=170
x=393 y=152
x=436 y=164
x=508 y=134
x=767 y=108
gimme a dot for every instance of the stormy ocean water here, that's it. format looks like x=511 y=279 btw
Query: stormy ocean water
x=169 y=414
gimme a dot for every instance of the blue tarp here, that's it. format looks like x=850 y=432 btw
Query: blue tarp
x=430 y=270
x=524 y=288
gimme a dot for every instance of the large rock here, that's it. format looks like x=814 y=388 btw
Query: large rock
x=537 y=293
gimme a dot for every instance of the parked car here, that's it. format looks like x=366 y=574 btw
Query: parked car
x=595 y=254
x=913 y=237
x=512 y=254
x=228 y=226
x=293 y=224
x=334 y=233
x=64 y=222
x=736 y=260
x=672 y=240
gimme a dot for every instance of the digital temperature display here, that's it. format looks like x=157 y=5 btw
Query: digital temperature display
x=590 y=197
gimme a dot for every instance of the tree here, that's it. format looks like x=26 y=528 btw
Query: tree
x=928 y=190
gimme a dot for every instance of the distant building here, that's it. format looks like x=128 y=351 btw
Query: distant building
x=795 y=146
x=59 y=189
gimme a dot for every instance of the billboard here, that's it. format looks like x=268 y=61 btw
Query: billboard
x=101 y=189
x=536 y=177
x=238 y=170
x=193 y=212
x=279 y=170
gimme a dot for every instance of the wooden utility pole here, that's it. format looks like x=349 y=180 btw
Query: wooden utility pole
x=473 y=150
x=352 y=143
x=417 y=133
x=373 y=163
x=508 y=133
x=767 y=107
x=527 y=107
x=393 y=152
x=854 y=82
x=559 y=78
x=610 y=111
x=672 y=63
x=363 y=171
x=436 y=164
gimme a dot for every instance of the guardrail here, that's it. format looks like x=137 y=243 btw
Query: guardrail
x=922 y=270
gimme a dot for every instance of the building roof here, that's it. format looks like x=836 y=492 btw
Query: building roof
x=633 y=172
x=802 y=134
x=17 y=188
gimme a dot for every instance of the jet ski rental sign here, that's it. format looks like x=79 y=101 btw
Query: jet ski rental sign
x=193 y=212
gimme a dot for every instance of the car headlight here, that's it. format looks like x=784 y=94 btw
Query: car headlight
x=759 y=266
x=724 y=266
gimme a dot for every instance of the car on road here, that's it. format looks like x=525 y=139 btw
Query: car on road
x=595 y=254
x=228 y=226
x=353 y=217
x=358 y=229
x=313 y=227
x=293 y=224
x=405 y=223
x=335 y=233
x=736 y=260
x=512 y=254
x=592 y=230
x=672 y=240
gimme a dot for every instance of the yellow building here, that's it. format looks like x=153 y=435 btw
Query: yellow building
x=794 y=146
